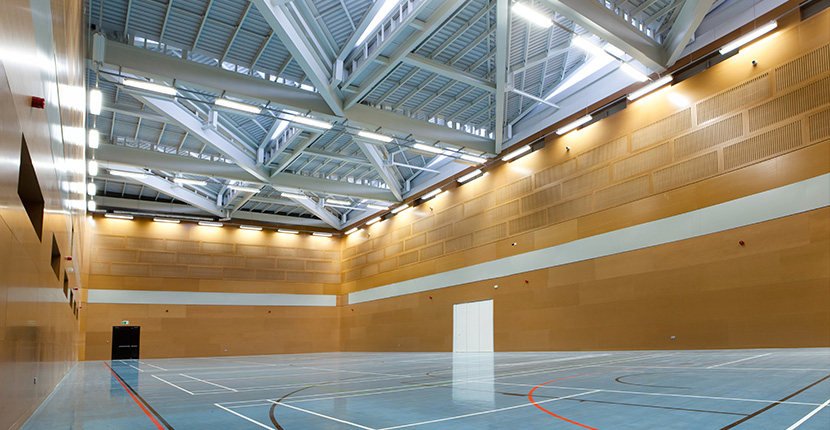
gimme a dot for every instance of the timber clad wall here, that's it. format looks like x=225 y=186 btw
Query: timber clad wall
x=745 y=130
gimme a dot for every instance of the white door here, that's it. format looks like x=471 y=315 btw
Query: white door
x=473 y=327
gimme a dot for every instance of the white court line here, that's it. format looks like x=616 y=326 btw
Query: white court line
x=806 y=417
x=172 y=384
x=355 y=371
x=324 y=416
x=207 y=382
x=243 y=416
x=153 y=365
x=487 y=412
x=738 y=361
x=128 y=364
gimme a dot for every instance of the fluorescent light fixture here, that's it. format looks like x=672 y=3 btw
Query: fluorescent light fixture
x=96 y=99
x=311 y=122
x=210 y=224
x=400 y=208
x=137 y=175
x=650 y=87
x=583 y=72
x=589 y=46
x=743 y=40
x=470 y=176
x=574 y=125
x=378 y=207
x=516 y=153
x=91 y=206
x=185 y=181
x=166 y=220
x=431 y=194
x=338 y=202
x=149 y=86
x=244 y=188
x=535 y=17
x=244 y=107
x=375 y=22
x=352 y=230
x=321 y=234
x=473 y=158
x=374 y=136
x=93 y=138
x=93 y=168
x=428 y=148
x=251 y=227
x=118 y=216
x=372 y=221
x=287 y=231
x=634 y=73
x=91 y=189
x=293 y=195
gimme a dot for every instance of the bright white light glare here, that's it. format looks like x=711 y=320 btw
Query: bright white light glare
x=516 y=153
x=678 y=100
x=583 y=72
x=378 y=207
x=473 y=158
x=118 y=216
x=589 y=46
x=93 y=138
x=469 y=176
x=244 y=189
x=428 y=148
x=531 y=15
x=372 y=221
x=91 y=189
x=287 y=231
x=374 y=136
x=93 y=168
x=244 y=107
x=400 y=208
x=352 y=230
x=311 y=122
x=91 y=206
x=375 y=22
x=431 y=194
x=137 y=175
x=650 y=87
x=574 y=125
x=613 y=50
x=741 y=41
x=321 y=234
x=149 y=86
x=166 y=220
x=210 y=224
x=634 y=73
x=96 y=99
x=251 y=227
x=293 y=196
x=338 y=202
x=185 y=181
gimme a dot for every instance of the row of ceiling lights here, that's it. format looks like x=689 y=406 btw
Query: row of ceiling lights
x=205 y=223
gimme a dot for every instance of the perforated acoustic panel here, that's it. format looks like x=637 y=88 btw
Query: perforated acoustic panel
x=820 y=126
x=802 y=68
x=662 y=129
x=772 y=142
x=790 y=104
x=747 y=93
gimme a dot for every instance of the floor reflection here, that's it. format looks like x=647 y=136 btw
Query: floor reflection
x=472 y=379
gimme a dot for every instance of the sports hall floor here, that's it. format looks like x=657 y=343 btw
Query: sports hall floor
x=736 y=389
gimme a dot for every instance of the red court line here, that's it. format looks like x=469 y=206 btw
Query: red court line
x=141 y=405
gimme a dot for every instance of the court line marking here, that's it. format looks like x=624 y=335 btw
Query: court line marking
x=153 y=365
x=243 y=416
x=128 y=364
x=738 y=361
x=806 y=417
x=208 y=382
x=487 y=412
x=172 y=384
x=140 y=404
x=322 y=416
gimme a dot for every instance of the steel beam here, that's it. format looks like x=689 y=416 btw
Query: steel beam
x=290 y=34
x=305 y=143
x=447 y=71
x=319 y=211
x=383 y=170
x=594 y=17
x=502 y=45
x=684 y=27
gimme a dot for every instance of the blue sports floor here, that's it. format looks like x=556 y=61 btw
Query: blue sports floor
x=733 y=389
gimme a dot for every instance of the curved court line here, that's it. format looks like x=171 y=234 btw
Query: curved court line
x=141 y=405
x=645 y=385
x=530 y=397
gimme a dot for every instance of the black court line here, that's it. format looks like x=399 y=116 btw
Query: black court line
x=772 y=405
x=150 y=408
x=644 y=385
x=274 y=405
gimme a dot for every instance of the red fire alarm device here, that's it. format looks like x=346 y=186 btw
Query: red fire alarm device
x=38 y=102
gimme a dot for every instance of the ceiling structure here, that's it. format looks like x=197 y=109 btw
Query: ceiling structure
x=441 y=83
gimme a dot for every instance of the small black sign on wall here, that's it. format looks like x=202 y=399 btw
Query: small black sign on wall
x=125 y=341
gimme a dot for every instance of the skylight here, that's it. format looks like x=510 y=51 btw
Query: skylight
x=375 y=22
